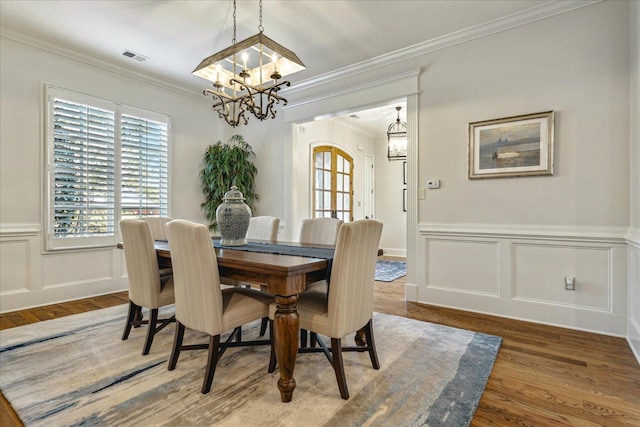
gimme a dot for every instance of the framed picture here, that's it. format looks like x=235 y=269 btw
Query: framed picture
x=512 y=146
x=404 y=199
x=404 y=173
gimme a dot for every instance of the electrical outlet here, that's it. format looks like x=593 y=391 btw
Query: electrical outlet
x=570 y=283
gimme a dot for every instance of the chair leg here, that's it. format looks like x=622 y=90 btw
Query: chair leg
x=338 y=367
x=177 y=345
x=214 y=351
x=153 y=320
x=263 y=325
x=373 y=354
x=138 y=317
x=133 y=308
x=272 y=357
x=313 y=339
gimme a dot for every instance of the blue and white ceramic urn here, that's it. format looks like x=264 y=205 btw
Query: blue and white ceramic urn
x=233 y=217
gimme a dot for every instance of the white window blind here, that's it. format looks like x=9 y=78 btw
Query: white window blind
x=84 y=181
x=104 y=164
x=144 y=171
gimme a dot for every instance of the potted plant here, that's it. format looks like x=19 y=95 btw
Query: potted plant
x=224 y=165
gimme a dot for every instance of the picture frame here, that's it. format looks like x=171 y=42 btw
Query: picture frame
x=404 y=200
x=404 y=173
x=512 y=146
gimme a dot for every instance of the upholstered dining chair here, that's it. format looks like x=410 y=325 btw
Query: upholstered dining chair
x=159 y=232
x=263 y=228
x=320 y=231
x=349 y=305
x=147 y=288
x=157 y=226
x=201 y=304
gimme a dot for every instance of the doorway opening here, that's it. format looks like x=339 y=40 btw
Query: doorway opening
x=378 y=186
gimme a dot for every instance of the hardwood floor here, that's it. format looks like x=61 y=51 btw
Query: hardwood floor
x=543 y=376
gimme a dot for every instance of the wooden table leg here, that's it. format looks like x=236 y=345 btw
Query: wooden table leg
x=287 y=328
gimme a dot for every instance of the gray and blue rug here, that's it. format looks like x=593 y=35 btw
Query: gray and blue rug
x=388 y=271
x=75 y=370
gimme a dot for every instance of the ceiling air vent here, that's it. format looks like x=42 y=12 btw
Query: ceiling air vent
x=136 y=56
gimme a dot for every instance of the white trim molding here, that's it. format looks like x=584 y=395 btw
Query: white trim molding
x=633 y=237
x=540 y=232
x=19 y=230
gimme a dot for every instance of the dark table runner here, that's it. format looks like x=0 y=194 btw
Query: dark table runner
x=272 y=248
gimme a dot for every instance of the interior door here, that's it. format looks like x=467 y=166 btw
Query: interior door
x=369 y=187
x=333 y=183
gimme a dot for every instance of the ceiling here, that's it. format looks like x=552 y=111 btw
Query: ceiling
x=176 y=35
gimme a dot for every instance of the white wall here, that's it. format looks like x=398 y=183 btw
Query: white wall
x=504 y=246
x=633 y=332
x=28 y=277
x=389 y=193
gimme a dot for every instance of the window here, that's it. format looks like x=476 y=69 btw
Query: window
x=105 y=162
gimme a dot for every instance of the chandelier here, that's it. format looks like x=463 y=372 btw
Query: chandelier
x=397 y=139
x=246 y=76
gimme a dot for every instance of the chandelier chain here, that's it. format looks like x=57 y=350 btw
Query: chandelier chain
x=234 y=23
x=260 y=27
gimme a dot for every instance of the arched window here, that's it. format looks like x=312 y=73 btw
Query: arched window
x=332 y=183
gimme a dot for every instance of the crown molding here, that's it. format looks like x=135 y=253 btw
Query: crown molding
x=501 y=24
x=472 y=33
x=99 y=63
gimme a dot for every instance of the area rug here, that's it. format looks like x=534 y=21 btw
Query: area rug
x=75 y=370
x=388 y=271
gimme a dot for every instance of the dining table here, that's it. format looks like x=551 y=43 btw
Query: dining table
x=284 y=276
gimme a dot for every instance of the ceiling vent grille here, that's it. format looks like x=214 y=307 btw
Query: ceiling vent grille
x=136 y=56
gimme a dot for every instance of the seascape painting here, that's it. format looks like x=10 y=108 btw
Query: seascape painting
x=510 y=146
x=513 y=146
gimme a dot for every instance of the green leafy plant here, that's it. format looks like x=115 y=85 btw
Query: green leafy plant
x=224 y=165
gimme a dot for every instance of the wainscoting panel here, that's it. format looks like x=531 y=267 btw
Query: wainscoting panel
x=481 y=265
x=73 y=267
x=519 y=272
x=14 y=263
x=29 y=278
x=19 y=259
x=539 y=272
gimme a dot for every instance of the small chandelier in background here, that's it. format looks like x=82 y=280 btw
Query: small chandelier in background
x=246 y=76
x=397 y=139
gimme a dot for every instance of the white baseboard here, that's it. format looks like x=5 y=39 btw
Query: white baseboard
x=633 y=338
x=395 y=252
x=24 y=298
